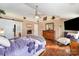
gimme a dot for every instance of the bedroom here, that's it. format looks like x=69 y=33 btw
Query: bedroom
x=19 y=21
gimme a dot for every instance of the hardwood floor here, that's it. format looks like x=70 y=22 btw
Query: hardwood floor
x=52 y=49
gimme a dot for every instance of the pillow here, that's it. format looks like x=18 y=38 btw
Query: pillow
x=5 y=42
x=38 y=42
x=64 y=40
x=74 y=35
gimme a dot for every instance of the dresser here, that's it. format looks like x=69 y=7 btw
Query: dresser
x=49 y=34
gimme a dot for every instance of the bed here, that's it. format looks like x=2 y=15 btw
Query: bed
x=24 y=46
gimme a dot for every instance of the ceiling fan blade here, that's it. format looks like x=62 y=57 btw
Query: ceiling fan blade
x=16 y=20
x=11 y=19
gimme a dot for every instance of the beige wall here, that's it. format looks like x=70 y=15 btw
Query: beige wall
x=26 y=25
x=58 y=26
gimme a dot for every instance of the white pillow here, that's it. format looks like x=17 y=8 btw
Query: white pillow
x=5 y=42
x=64 y=40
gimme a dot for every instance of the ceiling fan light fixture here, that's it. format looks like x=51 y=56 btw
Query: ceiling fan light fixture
x=37 y=17
x=36 y=13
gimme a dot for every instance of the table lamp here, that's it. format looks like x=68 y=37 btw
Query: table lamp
x=1 y=31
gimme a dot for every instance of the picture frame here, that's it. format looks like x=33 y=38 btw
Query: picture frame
x=49 y=26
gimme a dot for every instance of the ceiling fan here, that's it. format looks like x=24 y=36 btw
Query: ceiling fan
x=37 y=16
x=35 y=7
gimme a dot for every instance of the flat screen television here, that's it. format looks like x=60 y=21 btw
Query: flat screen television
x=72 y=24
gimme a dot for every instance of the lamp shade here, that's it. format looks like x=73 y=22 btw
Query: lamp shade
x=1 y=31
x=78 y=33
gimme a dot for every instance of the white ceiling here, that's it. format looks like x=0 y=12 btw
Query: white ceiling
x=65 y=10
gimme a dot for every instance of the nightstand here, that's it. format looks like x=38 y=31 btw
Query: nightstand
x=74 y=46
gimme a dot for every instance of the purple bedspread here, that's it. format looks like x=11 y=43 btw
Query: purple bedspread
x=24 y=46
x=2 y=50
